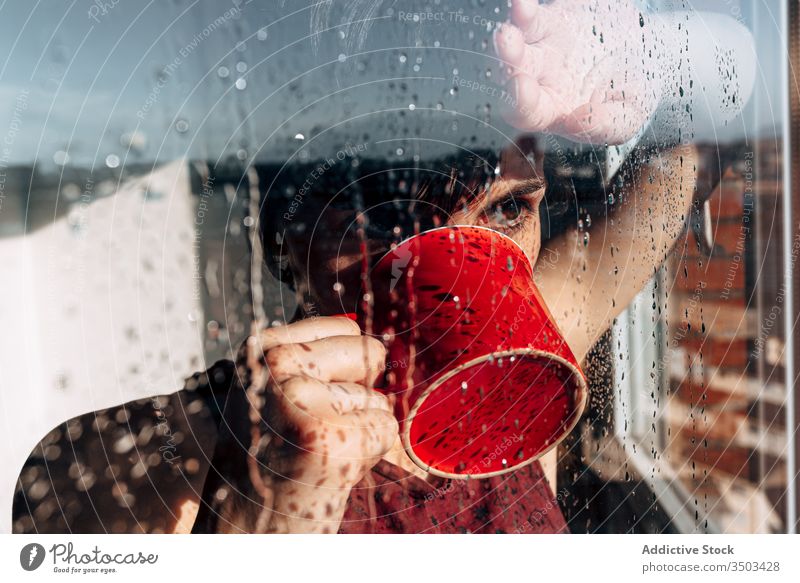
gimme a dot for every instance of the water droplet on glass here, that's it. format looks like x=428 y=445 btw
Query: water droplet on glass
x=223 y=72
x=112 y=160
x=61 y=158
x=240 y=84
x=181 y=126
x=133 y=140
x=71 y=192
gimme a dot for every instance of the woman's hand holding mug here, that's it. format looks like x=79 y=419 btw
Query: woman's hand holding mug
x=306 y=430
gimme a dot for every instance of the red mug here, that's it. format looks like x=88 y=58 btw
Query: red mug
x=485 y=382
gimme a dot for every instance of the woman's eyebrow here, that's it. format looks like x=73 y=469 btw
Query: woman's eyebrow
x=520 y=189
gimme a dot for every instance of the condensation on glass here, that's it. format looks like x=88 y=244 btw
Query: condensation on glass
x=152 y=175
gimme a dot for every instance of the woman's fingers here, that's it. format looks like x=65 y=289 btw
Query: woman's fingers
x=305 y=399
x=378 y=431
x=510 y=45
x=358 y=359
x=307 y=331
x=520 y=58
x=529 y=16
x=333 y=425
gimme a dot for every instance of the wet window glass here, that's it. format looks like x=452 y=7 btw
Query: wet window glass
x=346 y=266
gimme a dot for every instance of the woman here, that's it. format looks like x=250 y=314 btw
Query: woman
x=293 y=438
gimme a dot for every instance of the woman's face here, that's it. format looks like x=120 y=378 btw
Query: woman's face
x=337 y=244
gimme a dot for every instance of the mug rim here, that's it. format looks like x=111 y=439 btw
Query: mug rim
x=575 y=371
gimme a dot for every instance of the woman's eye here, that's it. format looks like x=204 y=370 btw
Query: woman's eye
x=508 y=213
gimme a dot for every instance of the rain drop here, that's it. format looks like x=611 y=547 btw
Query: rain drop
x=61 y=158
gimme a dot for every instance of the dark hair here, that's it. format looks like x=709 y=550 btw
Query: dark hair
x=443 y=185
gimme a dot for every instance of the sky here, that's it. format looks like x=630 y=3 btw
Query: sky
x=110 y=82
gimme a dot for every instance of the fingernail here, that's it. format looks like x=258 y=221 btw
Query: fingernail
x=349 y=315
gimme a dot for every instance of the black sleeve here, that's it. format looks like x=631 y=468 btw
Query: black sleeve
x=127 y=468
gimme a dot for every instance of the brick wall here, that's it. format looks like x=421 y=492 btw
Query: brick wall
x=724 y=413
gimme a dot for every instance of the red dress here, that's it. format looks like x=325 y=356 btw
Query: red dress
x=391 y=500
